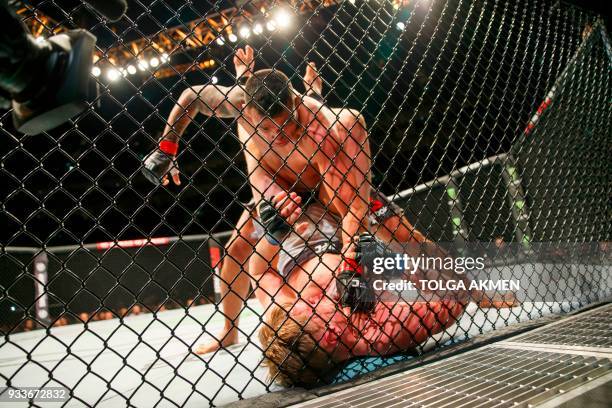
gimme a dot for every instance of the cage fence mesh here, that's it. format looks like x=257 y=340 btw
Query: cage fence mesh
x=481 y=122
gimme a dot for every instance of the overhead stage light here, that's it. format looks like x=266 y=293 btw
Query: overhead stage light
x=244 y=32
x=113 y=74
x=282 y=18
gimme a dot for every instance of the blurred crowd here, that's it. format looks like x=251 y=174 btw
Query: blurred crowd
x=70 y=317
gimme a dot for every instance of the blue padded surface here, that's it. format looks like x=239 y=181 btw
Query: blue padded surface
x=364 y=365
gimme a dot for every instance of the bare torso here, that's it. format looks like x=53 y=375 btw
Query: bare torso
x=296 y=164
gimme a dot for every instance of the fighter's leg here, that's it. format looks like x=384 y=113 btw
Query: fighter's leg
x=398 y=228
x=234 y=281
x=389 y=224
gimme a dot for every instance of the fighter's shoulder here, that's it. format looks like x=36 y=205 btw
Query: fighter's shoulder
x=349 y=118
x=236 y=94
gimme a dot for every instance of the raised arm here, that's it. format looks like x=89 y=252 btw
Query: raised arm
x=210 y=100
x=346 y=177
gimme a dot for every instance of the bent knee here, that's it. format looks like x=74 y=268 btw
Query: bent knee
x=401 y=229
x=396 y=228
x=240 y=247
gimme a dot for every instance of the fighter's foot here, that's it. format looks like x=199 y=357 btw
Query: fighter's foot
x=225 y=341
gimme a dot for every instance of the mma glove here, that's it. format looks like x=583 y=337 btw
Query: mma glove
x=161 y=162
x=274 y=223
x=354 y=289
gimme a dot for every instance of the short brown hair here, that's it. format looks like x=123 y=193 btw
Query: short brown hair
x=269 y=91
x=292 y=356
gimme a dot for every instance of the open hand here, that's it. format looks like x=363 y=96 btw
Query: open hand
x=244 y=61
x=288 y=206
x=312 y=81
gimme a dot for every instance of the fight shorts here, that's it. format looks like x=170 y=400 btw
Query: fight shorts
x=381 y=209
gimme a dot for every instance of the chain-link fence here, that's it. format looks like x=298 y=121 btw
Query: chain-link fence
x=191 y=238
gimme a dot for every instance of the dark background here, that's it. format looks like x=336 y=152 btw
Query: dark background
x=456 y=86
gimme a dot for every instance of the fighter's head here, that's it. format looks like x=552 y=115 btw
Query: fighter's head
x=292 y=354
x=270 y=105
x=307 y=341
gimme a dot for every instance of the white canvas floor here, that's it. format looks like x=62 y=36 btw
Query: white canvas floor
x=86 y=360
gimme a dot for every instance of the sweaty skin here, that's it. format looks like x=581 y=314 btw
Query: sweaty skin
x=318 y=148
x=315 y=148
x=311 y=148
x=390 y=328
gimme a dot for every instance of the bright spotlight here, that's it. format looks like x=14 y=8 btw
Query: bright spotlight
x=131 y=69
x=271 y=25
x=282 y=18
x=123 y=72
x=244 y=32
x=142 y=65
x=40 y=39
x=257 y=28
x=154 y=62
x=113 y=74
x=96 y=71
x=233 y=38
x=214 y=80
x=164 y=57
x=220 y=40
x=401 y=26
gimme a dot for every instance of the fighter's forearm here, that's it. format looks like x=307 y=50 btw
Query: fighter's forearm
x=263 y=256
x=356 y=194
x=353 y=222
x=180 y=117
x=209 y=100
x=263 y=184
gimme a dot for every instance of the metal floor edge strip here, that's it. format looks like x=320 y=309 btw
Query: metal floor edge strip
x=577 y=350
x=551 y=350
x=576 y=392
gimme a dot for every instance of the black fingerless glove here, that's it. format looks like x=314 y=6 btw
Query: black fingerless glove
x=274 y=223
x=354 y=289
x=355 y=292
x=156 y=166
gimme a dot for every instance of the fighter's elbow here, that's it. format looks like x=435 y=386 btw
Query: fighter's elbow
x=358 y=119
x=187 y=98
x=362 y=122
